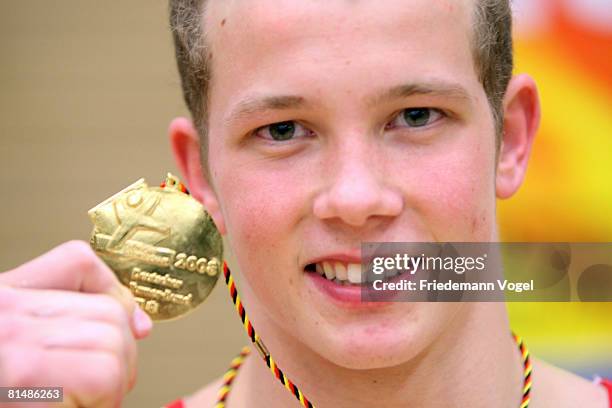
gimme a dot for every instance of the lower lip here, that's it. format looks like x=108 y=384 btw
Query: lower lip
x=350 y=295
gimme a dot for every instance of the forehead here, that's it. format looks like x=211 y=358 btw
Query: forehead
x=274 y=17
x=258 y=45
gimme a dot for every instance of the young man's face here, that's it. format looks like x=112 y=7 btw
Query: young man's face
x=388 y=136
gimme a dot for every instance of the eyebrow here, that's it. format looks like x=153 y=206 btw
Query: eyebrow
x=434 y=88
x=259 y=104
x=253 y=105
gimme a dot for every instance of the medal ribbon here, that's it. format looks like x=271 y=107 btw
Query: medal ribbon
x=289 y=385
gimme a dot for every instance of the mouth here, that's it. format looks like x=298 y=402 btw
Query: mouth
x=340 y=273
x=344 y=283
x=347 y=274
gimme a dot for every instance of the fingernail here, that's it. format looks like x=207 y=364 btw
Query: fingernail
x=142 y=322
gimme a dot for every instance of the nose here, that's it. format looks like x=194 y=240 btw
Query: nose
x=357 y=190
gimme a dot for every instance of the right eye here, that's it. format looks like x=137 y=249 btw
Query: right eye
x=282 y=131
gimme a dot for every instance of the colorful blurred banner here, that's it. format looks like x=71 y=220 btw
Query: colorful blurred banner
x=566 y=45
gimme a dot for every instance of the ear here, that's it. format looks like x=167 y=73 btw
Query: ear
x=186 y=149
x=521 y=122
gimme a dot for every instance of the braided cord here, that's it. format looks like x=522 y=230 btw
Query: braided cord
x=228 y=377
x=274 y=368
x=280 y=375
x=527 y=369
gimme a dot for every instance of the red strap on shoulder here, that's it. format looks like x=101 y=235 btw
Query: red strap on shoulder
x=608 y=385
x=175 y=404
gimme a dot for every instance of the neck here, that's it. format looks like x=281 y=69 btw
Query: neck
x=474 y=362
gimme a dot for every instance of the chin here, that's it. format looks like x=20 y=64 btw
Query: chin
x=374 y=346
x=382 y=340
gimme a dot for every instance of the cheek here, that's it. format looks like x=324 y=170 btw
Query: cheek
x=257 y=206
x=261 y=212
x=456 y=195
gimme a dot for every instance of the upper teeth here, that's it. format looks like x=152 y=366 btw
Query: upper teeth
x=340 y=271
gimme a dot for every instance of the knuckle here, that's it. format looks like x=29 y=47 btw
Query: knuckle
x=113 y=311
x=18 y=366
x=8 y=297
x=109 y=377
x=81 y=254
x=113 y=337
x=77 y=246
x=112 y=365
x=12 y=327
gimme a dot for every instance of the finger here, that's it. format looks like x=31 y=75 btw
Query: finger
x=55 y=303
x=142 y=323
x=70 y=266
x=74 y=266
x=90 y=337
x=72 y=333
x=101 y=381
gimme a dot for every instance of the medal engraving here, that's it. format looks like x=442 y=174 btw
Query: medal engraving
x=161 y=243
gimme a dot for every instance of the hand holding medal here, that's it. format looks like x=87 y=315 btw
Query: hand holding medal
x=67 y=308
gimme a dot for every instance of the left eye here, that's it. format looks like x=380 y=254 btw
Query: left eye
x=416 y=117
x=281 y=131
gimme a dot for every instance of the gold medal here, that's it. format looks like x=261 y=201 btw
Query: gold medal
x=161 y=243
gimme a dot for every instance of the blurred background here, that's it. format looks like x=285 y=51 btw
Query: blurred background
x=566 y=45
x=87 y=90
